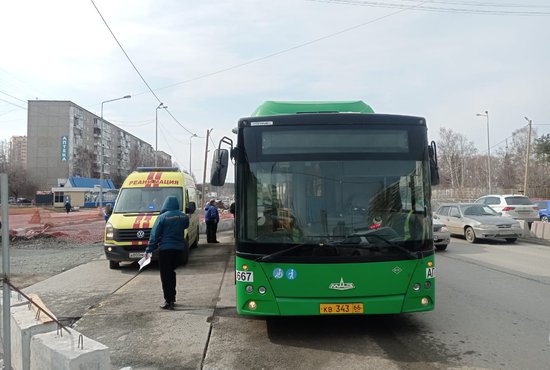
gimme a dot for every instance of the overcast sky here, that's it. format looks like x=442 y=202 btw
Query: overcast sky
x=212 y=62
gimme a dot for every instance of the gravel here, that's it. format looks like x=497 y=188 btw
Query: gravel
x=35 y=260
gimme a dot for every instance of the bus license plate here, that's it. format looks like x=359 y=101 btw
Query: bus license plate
x=340 y=308
x=136 y=254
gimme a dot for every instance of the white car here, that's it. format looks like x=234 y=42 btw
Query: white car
x=518 y=207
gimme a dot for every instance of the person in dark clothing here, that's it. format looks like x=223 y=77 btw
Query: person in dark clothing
x=108 y=211
x=68 y=207
x=168 y=235
x=211 y=218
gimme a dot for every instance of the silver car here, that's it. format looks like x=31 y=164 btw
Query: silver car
x=442 y=236
x=478 y=221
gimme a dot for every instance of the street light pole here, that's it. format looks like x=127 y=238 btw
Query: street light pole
x=486 y=114
x=161 y=106
x=101 y=151
x=190 y=137
x=205 y=163
x=527 y=155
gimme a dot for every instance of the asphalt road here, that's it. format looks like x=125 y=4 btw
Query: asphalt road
x=493 y=312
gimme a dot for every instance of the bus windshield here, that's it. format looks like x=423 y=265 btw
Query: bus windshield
x=346 y=210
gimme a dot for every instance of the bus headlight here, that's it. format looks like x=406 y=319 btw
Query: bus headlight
x=261 y=290
x=249 y=289
x=416 y=287
x=109 y=231
x=252 y=305
x=424 y=301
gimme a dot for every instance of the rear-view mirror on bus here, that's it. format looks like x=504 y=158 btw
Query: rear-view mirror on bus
x=434 y=168
x=219 y=167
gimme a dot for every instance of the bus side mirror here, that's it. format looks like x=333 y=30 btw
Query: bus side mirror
x=434 y=168
x=191 y=208
x=219 y=167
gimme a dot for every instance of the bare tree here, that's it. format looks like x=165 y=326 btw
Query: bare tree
x=84 y=163
x=456 y=154
x=19 y=184
x=3 y=156
x=504 y=173
x=135 y=158
x=517 y=152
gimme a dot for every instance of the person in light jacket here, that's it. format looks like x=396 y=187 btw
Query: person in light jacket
x=211 y=218
x=168 y=235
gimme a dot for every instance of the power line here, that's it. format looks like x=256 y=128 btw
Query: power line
x=465 y=9
x=14 y=97
x=292 y=48
x=134 y=66
x=9 y=102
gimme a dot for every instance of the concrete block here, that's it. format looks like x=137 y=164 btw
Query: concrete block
x=537 y=228
x=63 y=352
x=526 y=232
x=24 y=325
x=15 y=300
x=545 y=230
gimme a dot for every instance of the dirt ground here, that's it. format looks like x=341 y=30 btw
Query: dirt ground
x=45 y=242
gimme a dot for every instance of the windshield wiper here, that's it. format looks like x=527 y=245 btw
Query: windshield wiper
x=278 y=253
x=391 y=244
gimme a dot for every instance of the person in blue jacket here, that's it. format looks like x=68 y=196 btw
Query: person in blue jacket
x=211 y=218
x=168 y=235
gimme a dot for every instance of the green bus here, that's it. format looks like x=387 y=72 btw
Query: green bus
x=332 y=210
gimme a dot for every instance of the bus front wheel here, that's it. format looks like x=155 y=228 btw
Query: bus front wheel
x=113 y=265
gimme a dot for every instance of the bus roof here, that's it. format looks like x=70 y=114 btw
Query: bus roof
x=270 y=108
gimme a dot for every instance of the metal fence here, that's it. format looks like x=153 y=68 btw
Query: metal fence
x=471 y=194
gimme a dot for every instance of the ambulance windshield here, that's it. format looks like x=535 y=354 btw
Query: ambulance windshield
x=139 y=200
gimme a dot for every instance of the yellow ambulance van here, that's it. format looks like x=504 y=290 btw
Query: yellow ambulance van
x=137 y=207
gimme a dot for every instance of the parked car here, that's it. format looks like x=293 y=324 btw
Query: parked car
x=442 y=236
x=478 y=221
x=23 y=201
x=544 y=209
x=518 y=207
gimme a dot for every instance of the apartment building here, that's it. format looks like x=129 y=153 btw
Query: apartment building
x=64 y=140
x=18 y=150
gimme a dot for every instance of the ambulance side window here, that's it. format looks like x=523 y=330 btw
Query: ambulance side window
x=190 y=205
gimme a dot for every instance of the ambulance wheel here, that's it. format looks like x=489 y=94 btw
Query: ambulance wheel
x=113 y=265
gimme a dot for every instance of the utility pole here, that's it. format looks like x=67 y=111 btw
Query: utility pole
x=102 y=153
x=527 y=155
x=486 y=115
x=161 y=106
x=190 y=152
x=205 y=163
